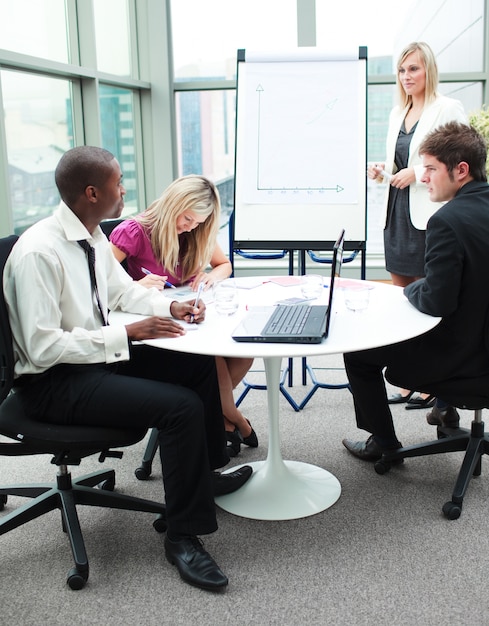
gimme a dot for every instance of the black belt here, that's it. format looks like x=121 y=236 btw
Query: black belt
x=27 y=379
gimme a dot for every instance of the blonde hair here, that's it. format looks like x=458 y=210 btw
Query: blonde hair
x=188 y=193
x=427 y=57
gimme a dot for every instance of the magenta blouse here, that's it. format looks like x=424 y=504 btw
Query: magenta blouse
x=133 y=240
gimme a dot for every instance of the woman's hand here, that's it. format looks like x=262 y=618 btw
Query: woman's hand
x=375 y=171
x=202 y=277
x=403 y=178
x=221 y=269
x=153 y=280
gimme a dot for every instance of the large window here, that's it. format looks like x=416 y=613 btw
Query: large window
x=112 y=36
x=207 y=33
x=68 y=76
x=35 y=27
x=205 y=123
x=118 y=136
x=457 y=37
x=205 y=119
x=38 y=127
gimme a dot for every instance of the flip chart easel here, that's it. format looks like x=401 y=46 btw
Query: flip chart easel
x=300 y=150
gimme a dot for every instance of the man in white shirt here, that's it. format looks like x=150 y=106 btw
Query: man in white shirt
x=72 y=368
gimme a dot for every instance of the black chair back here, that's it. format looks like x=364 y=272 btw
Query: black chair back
x=107 y=227
x=6 y=349
x=466 y=393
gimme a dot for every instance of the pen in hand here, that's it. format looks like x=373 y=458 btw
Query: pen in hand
x=147 y=272
x=200 y=289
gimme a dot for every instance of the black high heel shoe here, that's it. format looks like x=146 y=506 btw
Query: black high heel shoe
x=235 y=440
x=252 y=439
x=399 y=398
x=420 y=403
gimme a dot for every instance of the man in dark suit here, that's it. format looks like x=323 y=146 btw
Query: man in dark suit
x=454 y=288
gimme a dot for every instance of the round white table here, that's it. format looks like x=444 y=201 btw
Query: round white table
x=281 y=489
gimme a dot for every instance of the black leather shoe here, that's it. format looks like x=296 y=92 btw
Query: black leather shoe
x=449 y=417
x=367 y=450
x=252 y=439
x=235 y=440
x=398 y=398
x=227 y=483
x=195 y=565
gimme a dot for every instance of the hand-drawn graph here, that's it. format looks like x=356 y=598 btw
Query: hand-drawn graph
x=300 y=147
x=302 y=127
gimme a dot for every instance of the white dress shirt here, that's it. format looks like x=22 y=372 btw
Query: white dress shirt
x=53 y=314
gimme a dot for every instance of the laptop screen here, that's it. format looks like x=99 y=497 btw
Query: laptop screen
x=337 y=261
x=313 y=327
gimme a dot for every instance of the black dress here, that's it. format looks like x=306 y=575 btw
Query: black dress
x=404 y=245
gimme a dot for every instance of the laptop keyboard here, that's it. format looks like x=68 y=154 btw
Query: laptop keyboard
x=288 y=320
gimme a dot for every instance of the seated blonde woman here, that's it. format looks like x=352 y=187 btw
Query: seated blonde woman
x=176 y=240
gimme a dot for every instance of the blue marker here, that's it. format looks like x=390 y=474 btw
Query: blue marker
x=145 y=271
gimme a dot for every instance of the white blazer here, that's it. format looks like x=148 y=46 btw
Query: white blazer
x=437 y=113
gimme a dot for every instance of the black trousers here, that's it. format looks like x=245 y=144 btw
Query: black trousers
x=365 y=375
x=174 y=392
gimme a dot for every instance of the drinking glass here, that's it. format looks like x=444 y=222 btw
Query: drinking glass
x=312 y=286
x=357 y=298
x=226 y=297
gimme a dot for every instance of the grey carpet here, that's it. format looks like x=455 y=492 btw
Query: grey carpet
x=383 y=554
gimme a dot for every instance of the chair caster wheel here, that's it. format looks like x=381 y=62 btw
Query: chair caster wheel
x=3 y=501
x=107 y=485
x=382 y=467
x=76 y=580
x=451 y=510
x=160 y=524
x=142 y=473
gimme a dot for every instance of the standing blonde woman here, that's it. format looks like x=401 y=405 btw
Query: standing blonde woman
x=175 y=239
x=407 y=206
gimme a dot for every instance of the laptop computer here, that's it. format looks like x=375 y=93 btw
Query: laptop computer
x=297 y=323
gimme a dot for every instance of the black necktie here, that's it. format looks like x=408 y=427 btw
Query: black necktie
x=93 y=280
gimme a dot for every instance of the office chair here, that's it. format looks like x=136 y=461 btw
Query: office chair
x=464 y=394
x=107 y=227
x=68 y=445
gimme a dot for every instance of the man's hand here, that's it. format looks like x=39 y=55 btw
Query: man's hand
x=153 y=328
x=188 y=312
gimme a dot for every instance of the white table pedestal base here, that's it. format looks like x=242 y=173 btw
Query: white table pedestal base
x=295 y=490
x=279 y=489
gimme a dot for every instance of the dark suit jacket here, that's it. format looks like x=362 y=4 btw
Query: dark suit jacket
x=455 y=287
